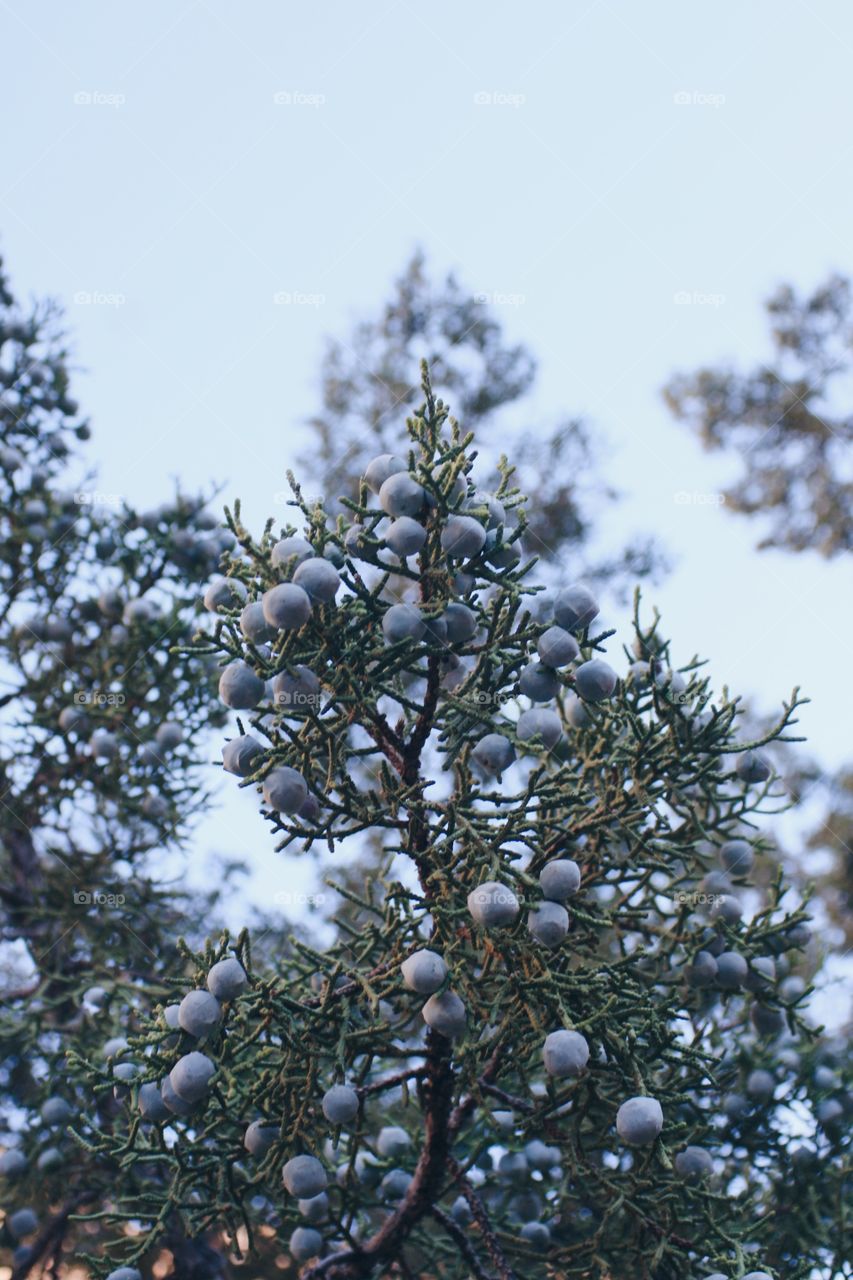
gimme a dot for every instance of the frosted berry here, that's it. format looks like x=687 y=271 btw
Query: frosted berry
x=319 y=578
x=304 y=1177
x=305 y=1243
x=737 y=857
x=297 y=690
x=766 y=1020
x=493 y=904
x=239 y=687
x=595 y=680
x=393 y=1142
x=22 y=1223
x=538 y=682
x=73 y=720
x=287 y=606
x=565 y=1053
x=460 y=1211
x=548 y=923
x=395 y=1184
x=557 y=647
x=639 y=1121
x=753 y=767
x=703 y=971
x=575 y=711
x=461 y=623
x=762 y=971
x=486 y=508
x=536 y=1234
x=240 y=755
x=169 y=735
x=224 y=593
x=254 y=625
x=446 y=1014
x=559 y=879
x=151 y=1104
x=424 y=972
x=175 y=1104
x=13 y=1163
x=259 y=1137
x=103 y=744
x=760 y=1085
x=539 y=723
x=727 y=908
x=379 y=470
x=285 y=790
x=199 y=1014
x=575 y=607
x=403 y=622
x=731 y=970
x=55 y=1111
x=463 y=537
x=315 y=1209
x=290 y=552
x=405 y=537
x=191 y=1075
x=493 y=753
x=693 y=1163
x=227 y=979
x=340 y=1104
x=401 y=495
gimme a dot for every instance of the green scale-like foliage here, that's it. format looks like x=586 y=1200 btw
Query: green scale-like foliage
x=641 y=791
x=83 y=920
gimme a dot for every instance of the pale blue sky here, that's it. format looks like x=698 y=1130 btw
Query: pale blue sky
x=148 y=167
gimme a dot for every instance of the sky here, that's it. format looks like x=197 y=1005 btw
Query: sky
x=209 y=189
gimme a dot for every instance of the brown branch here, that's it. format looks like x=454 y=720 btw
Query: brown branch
x=426 y=1185
x=465 y=1247
x=481 y=1218
x=49 y=1241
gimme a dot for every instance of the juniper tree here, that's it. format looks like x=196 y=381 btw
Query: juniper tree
x=99 y=728
x=563 y=1043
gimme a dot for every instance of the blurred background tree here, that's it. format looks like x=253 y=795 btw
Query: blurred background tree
x=784 y=422
x=100 y=780
x=369 y=381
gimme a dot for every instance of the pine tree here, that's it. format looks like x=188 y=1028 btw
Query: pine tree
x=565 y=1042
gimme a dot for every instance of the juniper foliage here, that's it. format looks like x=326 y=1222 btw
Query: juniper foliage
x=474 y=1152
x=93 y=779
